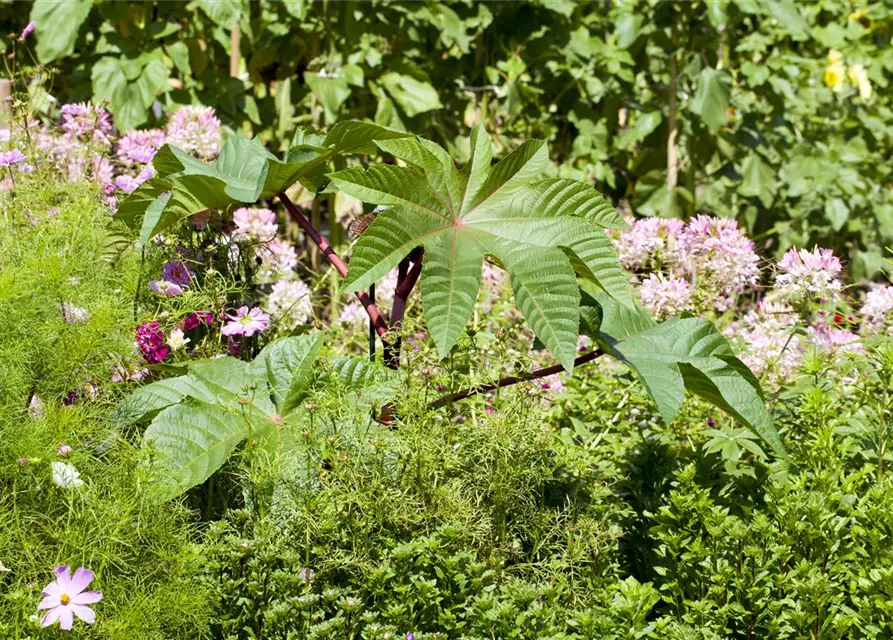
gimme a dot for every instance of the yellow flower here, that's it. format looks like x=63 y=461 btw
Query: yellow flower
x=859 y=77
x=834 y=57
x=835 y=75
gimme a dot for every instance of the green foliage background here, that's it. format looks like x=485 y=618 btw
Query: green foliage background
x=758 y=134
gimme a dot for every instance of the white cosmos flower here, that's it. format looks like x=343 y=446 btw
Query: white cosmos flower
x=66 y=476
x=177 y=340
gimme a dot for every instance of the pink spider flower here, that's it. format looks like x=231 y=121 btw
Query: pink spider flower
x=246 y=323
x=66 y=597
x=9 y=158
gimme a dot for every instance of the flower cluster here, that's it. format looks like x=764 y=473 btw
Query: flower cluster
x=703 y=264
x=289 y=304
x=877 y=311
x=665 y=296
x=254 y=225
x=195 y=130
x=140 y=147
x=805 y=275
x=840 y=77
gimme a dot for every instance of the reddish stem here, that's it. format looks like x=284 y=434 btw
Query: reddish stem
x=406 y=279
x=374 y=313
x=510 y=380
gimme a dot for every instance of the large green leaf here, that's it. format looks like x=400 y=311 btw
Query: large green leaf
x=243 y=173
x=199 y=418
x=57 y=27
x=542 y=231
x=287 y=366
x=190 y=442
x=680 y=354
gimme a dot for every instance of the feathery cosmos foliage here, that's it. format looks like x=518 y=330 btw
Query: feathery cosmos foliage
x=544 y=232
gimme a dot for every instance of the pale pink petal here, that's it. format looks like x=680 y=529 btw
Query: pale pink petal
x=49 y=602
x=80 y=581
x=52 y=589
x=84 y=613
x=63 y=577
x=66 y=619
x=87 y=597
x=51 y=616
x=232 y=329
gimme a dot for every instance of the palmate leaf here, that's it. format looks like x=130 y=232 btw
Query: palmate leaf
x=680 y=354
x=198 y=419
x=544 y=232
x=243 y=173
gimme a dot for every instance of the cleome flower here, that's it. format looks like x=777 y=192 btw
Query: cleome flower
x=665 y=296
x=66 y=598
x=195 y=130
x=289 y=302
x=808 y=275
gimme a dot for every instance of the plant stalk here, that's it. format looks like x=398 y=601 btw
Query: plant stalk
x=381 y=328
x=510 y=380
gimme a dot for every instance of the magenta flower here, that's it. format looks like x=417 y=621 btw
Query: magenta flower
x=165 y=288
x=64 y=450
x=177 y=272
x=9 y=158
x=66 y=597
x=151 y=343
x=194 y=320
x=246 y=323
x=29 y=28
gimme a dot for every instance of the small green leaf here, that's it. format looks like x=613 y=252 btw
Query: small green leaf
x=711 y=99
x=413 y=96
x=757 y=180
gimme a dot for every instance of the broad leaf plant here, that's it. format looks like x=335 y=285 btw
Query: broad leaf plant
x=436 y=223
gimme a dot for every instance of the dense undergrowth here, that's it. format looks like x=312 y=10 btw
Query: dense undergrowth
x=524 y=515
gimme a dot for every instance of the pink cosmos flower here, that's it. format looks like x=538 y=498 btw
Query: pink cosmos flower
x=9 y=158
x=66 y=597
x=246 y=323
x=165 y=288
x=64 y=450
